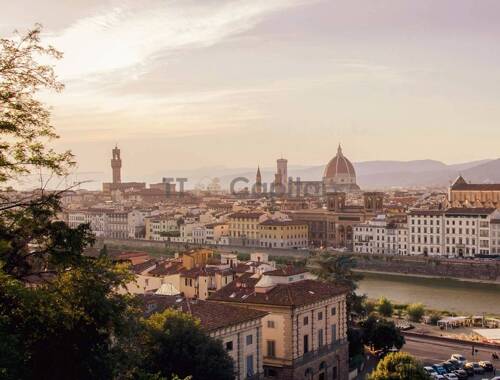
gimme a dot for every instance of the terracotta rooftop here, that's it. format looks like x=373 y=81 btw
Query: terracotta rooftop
x=286 y=271
x=476 y=186
x=212 y=315
x=293 y=294
x=166 y=268
x=246 y=215
x=470 y=211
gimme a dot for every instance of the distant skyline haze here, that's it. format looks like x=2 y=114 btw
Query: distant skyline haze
x=237 y=83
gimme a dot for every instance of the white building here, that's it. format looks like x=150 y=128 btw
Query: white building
x=379 y=236
x=426 y=233
x=467 y=231
x=495 y=235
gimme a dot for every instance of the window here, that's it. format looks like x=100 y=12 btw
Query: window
x=249 y=365
x=270 y=324
x=334 y=333
x=249 y=340
x=306 y=343
x=306 y=321
x=320 y=316
x=320 y=337
x=229 y=346
x=271 y=348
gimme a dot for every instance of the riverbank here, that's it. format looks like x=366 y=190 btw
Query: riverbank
x=477 y=281
x=453 y=295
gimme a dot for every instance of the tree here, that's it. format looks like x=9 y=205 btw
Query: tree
x=60 y=314
x=415 y=312
x=434 y=318
x=384 y=307
x=399 y=366
x=24 y=120
x=381 y=334
x=173 y=343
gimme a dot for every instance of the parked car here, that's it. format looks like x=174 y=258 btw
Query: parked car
x=439 y=369
x=461 y=374
x=469 y=370
x=460 y=358
x=495 y=378
x=475 y=366
x=451 y=376
x=429 y=370
x=455 y=362
x=436 y=376
x=449 y=367
x=487 y=366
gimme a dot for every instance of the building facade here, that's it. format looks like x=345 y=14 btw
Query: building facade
x=305 y=333
x=283 y=234
x=464 y=194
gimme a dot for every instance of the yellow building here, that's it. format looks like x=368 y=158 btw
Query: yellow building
x=244 y=228
x=238 y=329
x=283 y=234
x=304 y=335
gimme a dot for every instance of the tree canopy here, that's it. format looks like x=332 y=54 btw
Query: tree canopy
x=381 y=334
x=61 y=316
x=384 y=307
x=175 y=344
x=24 y=120
x=399 y=366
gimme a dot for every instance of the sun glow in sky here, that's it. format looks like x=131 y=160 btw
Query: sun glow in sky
x=181 y=84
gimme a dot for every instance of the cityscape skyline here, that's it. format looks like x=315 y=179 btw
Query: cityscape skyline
x=387 y=79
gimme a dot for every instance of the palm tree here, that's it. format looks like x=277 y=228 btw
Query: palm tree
x=338 y=269
x=334 y=268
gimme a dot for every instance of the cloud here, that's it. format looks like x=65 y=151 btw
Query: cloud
x=131 y=33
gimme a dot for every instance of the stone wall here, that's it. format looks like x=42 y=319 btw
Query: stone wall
x=479 y=270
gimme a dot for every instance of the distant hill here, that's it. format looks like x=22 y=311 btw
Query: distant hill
x=370 y=174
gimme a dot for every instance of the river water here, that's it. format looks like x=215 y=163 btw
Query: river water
x=440 y=294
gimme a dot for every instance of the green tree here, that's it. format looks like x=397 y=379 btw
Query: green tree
x=381 y=334
x=399 y=366
x=25 y=121
x=415 y=312
x=174 y=343
x=60 y=314
x=384 y=307
x=434 y=318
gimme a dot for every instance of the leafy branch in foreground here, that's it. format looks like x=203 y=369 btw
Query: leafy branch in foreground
x=24 y=120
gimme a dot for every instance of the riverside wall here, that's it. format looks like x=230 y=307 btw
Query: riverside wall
x=464 y=269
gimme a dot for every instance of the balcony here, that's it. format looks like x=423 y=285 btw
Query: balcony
x=323 y=350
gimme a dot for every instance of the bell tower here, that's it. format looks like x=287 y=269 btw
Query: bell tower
x=258 y=182
x=116 y=165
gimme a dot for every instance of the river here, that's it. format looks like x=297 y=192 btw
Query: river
x=440 y=294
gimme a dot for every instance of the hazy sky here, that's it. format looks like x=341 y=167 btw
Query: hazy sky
x=189 y=83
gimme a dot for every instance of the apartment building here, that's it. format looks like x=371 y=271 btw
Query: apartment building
x=283 y=234
x=495 y=235
x=161 y=227
x=467 y=231
x=455 y=232
x=304 y=334
x=426 y=233
x=244 y=228
x=103 y=222
x=239 y=329
x=381 y=236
